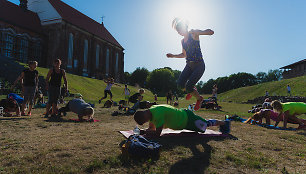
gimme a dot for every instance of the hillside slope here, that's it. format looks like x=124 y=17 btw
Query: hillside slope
x=298 y=88
x=91 y=89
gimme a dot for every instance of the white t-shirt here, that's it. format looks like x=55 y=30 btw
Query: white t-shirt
x=109 y=86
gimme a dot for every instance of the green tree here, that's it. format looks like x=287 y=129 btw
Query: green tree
x=160 y=81
x=139 y=76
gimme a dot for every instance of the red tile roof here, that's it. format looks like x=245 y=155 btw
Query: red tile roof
x=77 y=18
x=13 y=14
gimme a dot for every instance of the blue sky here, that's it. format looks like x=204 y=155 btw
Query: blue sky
x=250 y=35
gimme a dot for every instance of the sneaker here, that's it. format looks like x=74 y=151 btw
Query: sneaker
x=188 y=96
x=29 y=113
x=225 y=129
x=198 y=104
x=99 y=101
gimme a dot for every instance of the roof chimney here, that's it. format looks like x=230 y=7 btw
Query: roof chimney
x=24 y=4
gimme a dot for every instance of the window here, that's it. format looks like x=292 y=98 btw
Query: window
x=23 y=50
x=107 y=62
x=97 y=56
x=117 y=61
x=75 y=63
x=70 y=50
x=9 y=45
x=37 y=51
x=85 y=55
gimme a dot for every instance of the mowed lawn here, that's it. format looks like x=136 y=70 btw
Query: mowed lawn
x=35 y=145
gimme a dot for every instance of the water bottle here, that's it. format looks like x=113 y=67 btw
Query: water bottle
x=136 y=131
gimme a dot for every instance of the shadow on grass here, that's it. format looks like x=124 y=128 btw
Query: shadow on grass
x=61 y=120
x=195 y=164
x=199 y=161
x=13 y=119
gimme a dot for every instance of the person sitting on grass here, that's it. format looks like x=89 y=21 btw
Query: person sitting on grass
x=80 y=107
x=166 y=116
x=290 y=110
x=9 y=105
x=136 y=98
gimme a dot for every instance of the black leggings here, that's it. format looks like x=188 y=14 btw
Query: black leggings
x=107 y=92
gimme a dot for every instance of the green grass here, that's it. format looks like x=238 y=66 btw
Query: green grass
x=93 y=89
x=277 y=88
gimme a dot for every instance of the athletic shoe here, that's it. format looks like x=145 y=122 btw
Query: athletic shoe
x=225 y=129
x=198 y=104
x=99 y=101
x=29 y=113
x=188 y=96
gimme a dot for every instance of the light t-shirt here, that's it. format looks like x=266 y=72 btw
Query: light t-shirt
x=294 y=107
x=109 y=86
x=169 y=117
x=126 y=91
x=78 y=105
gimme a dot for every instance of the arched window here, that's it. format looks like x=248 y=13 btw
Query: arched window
x=107 y=62
x=85 y=55
x=8 y=45
x=117 y=64
x=97 y=56
x=23 y=49
x=70 y=50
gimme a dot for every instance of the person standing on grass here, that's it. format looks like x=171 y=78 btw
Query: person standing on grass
x=195 y=65
x=55 y=75
x=127 y=93
x=289 y=90
x=29 y=82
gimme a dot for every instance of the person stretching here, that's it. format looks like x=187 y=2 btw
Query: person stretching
x=80 y=107
x=166 y=116
x=290 y=110
x=110 y=82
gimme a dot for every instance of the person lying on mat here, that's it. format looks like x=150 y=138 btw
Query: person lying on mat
x=80 y=107
x=290 y=110
x=166 y=116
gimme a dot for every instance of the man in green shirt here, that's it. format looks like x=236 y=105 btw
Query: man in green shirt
x=166 y=116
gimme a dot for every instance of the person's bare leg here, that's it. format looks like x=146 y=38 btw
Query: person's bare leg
x=196 y=94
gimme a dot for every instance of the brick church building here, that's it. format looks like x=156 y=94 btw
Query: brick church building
x=44 y=30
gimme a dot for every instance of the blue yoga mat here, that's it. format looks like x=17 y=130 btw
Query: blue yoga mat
x=237 y=118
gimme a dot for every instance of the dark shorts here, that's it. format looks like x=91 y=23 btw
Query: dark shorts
x=29 y=94
x=108 y=92
x=54 y=93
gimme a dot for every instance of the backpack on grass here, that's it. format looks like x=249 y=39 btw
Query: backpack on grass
x=138 y=146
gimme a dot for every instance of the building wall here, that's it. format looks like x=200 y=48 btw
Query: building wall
x=295 y=71
x=58 y=47
x=21 y=44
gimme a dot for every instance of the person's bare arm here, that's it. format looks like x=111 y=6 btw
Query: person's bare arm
x=154 y=133
x=285 y=118
x=65 y=80
x=20 y=78
x=181 y=55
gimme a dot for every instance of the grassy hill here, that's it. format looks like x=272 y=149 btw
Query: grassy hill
x=91 y=89
x=298 y=88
